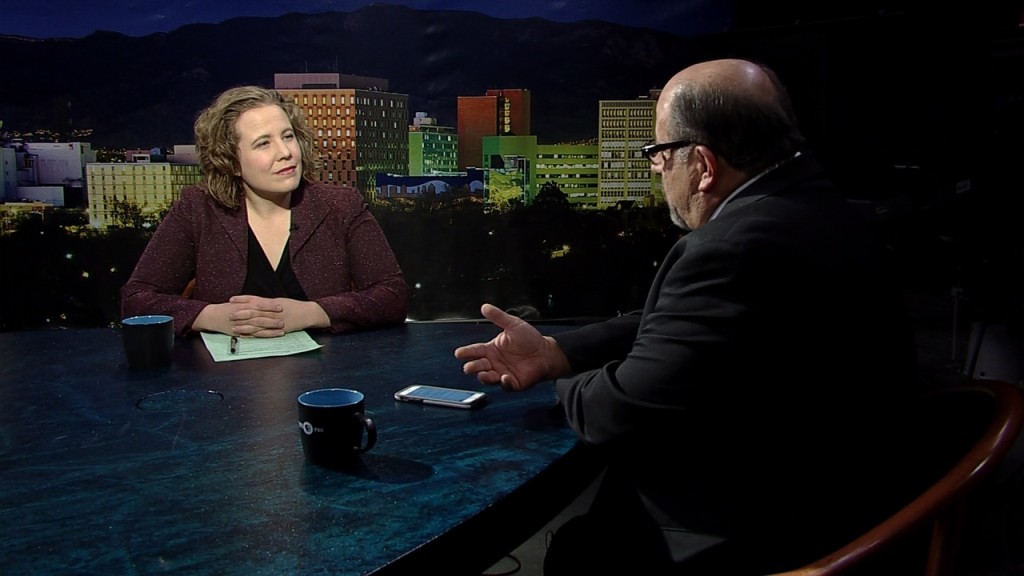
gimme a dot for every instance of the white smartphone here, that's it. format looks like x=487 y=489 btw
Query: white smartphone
x=441 y=396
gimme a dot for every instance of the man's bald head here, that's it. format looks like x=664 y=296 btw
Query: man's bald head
x=730 y=75
x=737 y=108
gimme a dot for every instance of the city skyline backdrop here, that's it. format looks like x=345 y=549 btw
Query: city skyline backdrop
x=879 y=97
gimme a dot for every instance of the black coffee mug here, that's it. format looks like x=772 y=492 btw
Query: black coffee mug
x=148 y=340
x=331 y=424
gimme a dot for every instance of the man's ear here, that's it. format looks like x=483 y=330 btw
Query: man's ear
x=708 y=163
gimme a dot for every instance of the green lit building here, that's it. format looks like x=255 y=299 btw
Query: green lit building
x=433 y=149
x=573 y=168
x=516 y=168
x=508 y=169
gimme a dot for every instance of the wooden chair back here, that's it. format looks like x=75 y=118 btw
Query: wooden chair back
x=943 y=504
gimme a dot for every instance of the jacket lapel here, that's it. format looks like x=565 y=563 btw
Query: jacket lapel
x=307 y=214
x=235 y=223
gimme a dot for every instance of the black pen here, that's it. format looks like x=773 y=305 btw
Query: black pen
x=234 y=344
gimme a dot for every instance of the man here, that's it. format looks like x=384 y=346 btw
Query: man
x=746 y=412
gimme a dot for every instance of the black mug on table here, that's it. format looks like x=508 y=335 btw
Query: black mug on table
x=148 y=340
x=331 y=424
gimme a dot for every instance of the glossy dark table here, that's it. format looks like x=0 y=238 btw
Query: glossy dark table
x=198 y=468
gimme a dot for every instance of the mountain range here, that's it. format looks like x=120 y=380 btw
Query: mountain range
x=145 y=91
x=895 y=84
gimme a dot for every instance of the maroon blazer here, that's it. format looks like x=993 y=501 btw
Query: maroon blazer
x=337 y=249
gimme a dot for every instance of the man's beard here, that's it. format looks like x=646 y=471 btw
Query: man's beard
x=676 y=218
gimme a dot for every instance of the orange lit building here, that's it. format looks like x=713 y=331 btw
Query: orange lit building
x=359 y=128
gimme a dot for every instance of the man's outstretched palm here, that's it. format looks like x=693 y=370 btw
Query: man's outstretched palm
x=516 y=359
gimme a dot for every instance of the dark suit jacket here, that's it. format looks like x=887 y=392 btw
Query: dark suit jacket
x=338 y=252
x=752 y=397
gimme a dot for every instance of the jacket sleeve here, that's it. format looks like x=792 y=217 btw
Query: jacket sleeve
x=163 y=271
x=593 y=345
x=683 y=337
x=378 y=294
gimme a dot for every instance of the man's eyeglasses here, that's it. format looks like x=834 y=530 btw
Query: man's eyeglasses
x=651 y=150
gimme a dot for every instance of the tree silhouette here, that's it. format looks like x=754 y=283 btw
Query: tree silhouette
x=126 y=213
x=551 y=198
x=547 y=256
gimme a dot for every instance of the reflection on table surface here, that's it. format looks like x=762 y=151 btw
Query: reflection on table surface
x=198 y=469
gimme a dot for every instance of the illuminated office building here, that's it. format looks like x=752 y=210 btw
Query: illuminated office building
x=498 y=113
x=573 y=168
x=433 y=149
x=150 y=186
x=359 y=128
x=8 y=173
x=624 y=126
x=52 y=172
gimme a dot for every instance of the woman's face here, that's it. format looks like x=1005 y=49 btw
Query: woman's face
x=269 y=156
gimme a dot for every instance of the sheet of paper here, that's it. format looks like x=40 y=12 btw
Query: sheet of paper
x=219 y=346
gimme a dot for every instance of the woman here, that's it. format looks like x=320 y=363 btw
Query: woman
x=270 y=250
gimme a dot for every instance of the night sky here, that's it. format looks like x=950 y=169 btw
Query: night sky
x=76 y=19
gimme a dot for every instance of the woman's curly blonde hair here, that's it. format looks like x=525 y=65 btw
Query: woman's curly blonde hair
x=217 y=139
